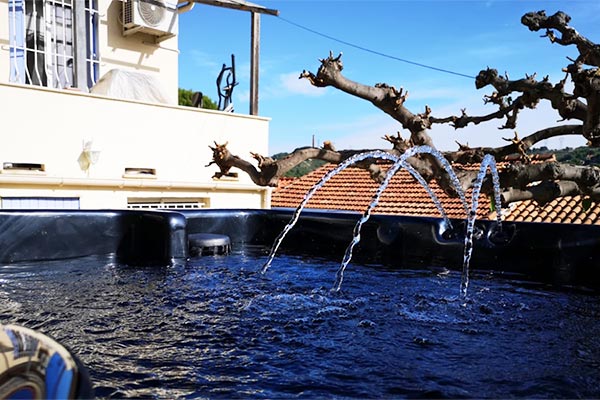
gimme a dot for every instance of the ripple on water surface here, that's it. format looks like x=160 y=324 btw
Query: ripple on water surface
x=216 y=327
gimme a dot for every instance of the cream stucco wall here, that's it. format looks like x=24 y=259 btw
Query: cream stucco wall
x=49 y=127
x=138 y=52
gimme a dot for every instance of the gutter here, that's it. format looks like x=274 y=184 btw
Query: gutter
x=20 y=181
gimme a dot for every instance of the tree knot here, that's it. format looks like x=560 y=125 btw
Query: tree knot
x=398 y=142
x=262 y=160
x=520 y=148
x=221 y=156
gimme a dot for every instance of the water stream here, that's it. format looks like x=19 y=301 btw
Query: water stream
x=488 y=162
x=401 y=162
x=351 y=160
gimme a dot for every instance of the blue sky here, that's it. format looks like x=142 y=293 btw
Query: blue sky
x=461 y=36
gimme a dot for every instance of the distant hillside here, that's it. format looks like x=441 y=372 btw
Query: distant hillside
x=301 y=169
x=578 y=156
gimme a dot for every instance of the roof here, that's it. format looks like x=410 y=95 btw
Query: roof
x=566 y=210
x=352 y=190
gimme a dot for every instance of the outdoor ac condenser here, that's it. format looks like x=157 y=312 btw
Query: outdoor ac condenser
x=155 y=17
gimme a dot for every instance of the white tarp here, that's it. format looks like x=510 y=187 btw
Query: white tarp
x=123 y=84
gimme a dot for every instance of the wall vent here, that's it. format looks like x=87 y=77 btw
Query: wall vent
x=19 y=167
x=167 y=203
x=139 y=173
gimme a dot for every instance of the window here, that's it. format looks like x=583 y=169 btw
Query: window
x=54 y=43
x=40 y=203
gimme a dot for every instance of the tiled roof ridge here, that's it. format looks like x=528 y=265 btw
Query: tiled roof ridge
x=353 y=189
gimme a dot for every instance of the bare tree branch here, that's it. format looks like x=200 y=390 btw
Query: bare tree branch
x=587 y=81
x=387 y=98
x=509 y=111
x=522 y=179
x=542 y=193
x=467 y=155
x=589 y=52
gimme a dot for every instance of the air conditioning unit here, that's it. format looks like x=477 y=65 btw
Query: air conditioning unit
x=155 y=17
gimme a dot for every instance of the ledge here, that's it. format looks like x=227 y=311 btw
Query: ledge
x=71 y=92
x=122 y=184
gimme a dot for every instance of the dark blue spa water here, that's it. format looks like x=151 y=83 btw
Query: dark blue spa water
x=216 y=328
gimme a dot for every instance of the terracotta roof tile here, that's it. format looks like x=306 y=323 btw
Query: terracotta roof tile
x=352 y=189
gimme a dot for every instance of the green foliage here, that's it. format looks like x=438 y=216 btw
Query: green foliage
x=185 y=99
x=301 y=169
x=577 y=156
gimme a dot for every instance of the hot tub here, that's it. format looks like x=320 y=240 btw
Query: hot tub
x=120 y=291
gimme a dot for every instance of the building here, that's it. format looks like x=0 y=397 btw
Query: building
x=353 y=189
x=78 y=131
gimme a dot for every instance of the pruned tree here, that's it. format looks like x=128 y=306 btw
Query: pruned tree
x=519 y=181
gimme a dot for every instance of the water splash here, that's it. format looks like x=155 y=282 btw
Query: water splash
x=436 y=201
x=488 y=161
x=362 y=156
x=351 y=160
x=450 y=171
x=400 y=163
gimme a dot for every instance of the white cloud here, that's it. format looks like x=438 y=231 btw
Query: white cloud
x=287 y=85
x=202 y=59
x=366 y=130
x=242 y=96
x=242 y=71
x=435 y=93
x=488 y=134
x=293 y=85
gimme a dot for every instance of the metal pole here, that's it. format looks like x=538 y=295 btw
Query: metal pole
x=254 y=52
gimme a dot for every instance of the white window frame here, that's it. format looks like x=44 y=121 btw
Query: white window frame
x=54 y=43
